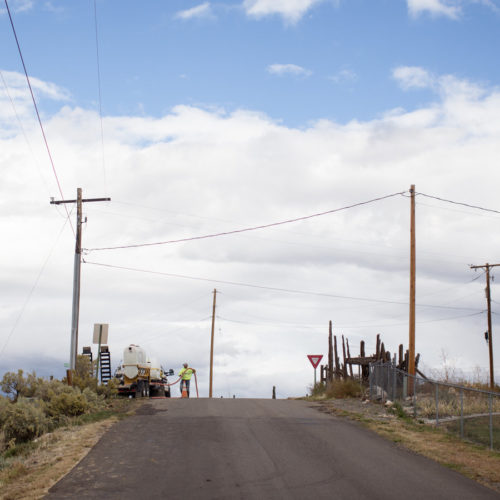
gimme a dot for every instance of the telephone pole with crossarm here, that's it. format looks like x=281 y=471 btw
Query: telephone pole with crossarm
x=75 y=313
x=490 y=330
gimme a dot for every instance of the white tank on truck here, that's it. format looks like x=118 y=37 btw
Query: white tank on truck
x=140 y=377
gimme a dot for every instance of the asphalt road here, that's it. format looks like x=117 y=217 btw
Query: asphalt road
x=253 y=449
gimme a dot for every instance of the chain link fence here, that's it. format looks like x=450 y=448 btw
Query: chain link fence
x=472 y=414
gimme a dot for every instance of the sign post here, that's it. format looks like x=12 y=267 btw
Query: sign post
x=100 y=337
x=315 y=360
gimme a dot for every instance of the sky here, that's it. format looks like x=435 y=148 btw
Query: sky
x=200 y=118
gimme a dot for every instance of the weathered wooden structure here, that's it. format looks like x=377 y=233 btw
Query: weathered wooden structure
x=336 y=369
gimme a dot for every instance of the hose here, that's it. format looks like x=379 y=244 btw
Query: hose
x=173 y=383
x=195 y=381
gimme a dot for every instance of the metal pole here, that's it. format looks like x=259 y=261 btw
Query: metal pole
x=75 y=313
x=461 y=413
x=99 y=353
x=212 y=348
x=370 y=378
x=437 y=404
x=415 y=397
x=394 y=381
x=491 y=421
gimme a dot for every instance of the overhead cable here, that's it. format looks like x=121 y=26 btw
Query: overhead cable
x=100 y=93
x=339 y=327
x=477 y=207
x=37 y=112
x=35 y=284
x=418 y=322
x=253 y=228
x=274 y=289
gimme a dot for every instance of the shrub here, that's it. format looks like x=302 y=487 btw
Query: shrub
x=67 y=404
x=24 y=421
x=46 y=389
x=95 y=401
x=344 y=388
x=4 y=405
x=108 y=390
x=83 y=374
x=317 y=389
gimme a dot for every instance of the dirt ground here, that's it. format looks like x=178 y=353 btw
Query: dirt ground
x=58 y=452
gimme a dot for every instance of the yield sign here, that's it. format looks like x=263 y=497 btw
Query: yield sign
x=315 y=359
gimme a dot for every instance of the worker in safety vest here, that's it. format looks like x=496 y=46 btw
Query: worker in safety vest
x=186 y=373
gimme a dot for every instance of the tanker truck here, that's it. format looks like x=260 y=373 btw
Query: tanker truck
x=140 y=377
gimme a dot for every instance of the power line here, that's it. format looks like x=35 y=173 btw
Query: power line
x=448 y=209
x=450 y=318
x=37 y=112
x=23 y=308
x=318 y=326
x=274 y=289
x=459 y=203
x=21 y=128
x=427 y=254
x=254 y=228
x=100 y=93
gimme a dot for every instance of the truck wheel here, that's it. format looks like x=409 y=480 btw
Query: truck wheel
x=138 y=390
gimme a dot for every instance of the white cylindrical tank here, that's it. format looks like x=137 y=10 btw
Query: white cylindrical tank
x=133 y=355
x=156 y=371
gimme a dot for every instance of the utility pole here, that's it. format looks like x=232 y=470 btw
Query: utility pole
x=490 y=330
x=75 y=312
x=330 y=353
x=411 y=343
x=212 y=348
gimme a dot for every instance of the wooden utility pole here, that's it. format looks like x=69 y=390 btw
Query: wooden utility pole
x=329 y=375
x=75 y=312
x=212 y=348
x=490 y=329
x=411 y=343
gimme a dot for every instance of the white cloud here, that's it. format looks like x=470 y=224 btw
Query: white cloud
x=18 y=6
x=291 y=10
x=194 y=171
x=413 y=77
x=344 y=76
x=447 y=8
x=202 y=10
x=448 y=87
x=288 y=69
x=13 y=87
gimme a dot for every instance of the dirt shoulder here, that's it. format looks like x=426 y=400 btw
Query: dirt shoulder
x=473 y=461
x=30 y=475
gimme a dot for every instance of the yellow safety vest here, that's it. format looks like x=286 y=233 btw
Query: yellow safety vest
x=186 y=373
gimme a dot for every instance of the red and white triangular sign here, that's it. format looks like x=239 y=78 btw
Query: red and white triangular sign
x=315 y=359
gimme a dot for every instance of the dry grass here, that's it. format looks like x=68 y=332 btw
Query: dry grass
x=56 y=454
x=473 y=405
x=475 y=462
x=338 y=388
x=37 y=466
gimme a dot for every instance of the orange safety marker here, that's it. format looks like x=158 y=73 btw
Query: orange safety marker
x=184 y=391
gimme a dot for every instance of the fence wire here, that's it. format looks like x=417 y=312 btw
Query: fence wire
x=472 y=414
